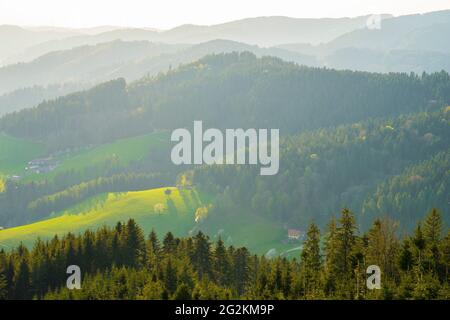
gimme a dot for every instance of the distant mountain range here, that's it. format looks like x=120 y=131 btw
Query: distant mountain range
x=86 y=66
x=81 y=58
x=402 y=44
x=262 y=31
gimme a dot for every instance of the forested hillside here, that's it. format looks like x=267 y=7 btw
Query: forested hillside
x=376 y=143
x=84 y=64
x=227 y=91
x=414 y=189
x=331 y=168
x=132 y=164
x=59 y=73
x=32 y=96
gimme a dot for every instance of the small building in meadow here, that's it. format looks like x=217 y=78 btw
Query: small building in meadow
x=43 y=165
x=294 y=234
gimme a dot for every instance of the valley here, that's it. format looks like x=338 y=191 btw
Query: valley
x=142 y=157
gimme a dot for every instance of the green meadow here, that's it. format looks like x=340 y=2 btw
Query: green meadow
x=154 y=209
x=15 y=154
x=121 y=152
x=178 y=216
x=252 y=231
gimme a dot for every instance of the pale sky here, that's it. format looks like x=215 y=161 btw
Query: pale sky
x=166 y=14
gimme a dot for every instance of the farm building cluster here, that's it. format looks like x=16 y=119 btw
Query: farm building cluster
x=42 y=165
x=295 y=235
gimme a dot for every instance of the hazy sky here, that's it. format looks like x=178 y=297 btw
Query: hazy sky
x=169 y=13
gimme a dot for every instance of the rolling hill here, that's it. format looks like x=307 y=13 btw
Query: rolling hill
x=154 y=209
x=63 y=72
x=15 y=39
x=343 y=134
x=395 y=168
x=263 y=31
x=226 y=91
x=401 y=44
x=85 y=64
x=31 y=96
x=178 y=215
x=118 y=166
x=367 y=173
x=387 y=61
x=417 y=31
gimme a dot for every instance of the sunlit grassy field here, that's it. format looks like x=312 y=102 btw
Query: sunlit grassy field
x=154 y=209
x=150 y=208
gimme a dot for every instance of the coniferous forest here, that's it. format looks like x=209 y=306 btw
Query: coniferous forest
x=124 y=263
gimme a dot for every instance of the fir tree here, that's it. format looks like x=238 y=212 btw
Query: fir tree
x=311 y=262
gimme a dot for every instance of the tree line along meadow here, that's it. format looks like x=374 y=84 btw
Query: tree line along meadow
x=122 y=263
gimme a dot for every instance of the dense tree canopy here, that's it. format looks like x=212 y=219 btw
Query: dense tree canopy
x=228 y=91
x=121 y=263
x=380 y=167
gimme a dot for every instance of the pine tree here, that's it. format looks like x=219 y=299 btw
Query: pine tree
x=260 y=288
x=241 y=269
x=22 y=282
x=169 y=243
x=135 y=251
x=346 y=247
x=222 y=265
x=382 y=246
x=154 y=243
x=331 y=257
x=276 y=278
x=406 y=258
x=201 y=258
x=116 y=250
x=170 y=276
x=311 y=262
x=39 y=261
x=186 y=273
x=70 y=250
x=153 y=250
x=346 y=241
x=432 y=228
x=419 y=243
x=432 y=233
x=87 y=249
x=183 y=292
